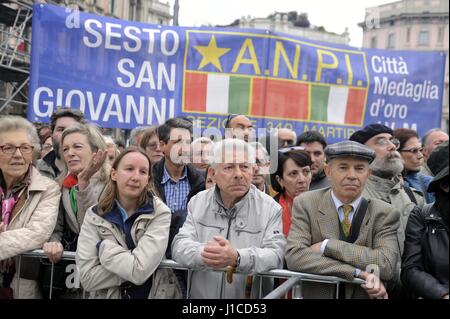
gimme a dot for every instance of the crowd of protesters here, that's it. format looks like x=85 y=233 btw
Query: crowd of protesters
x=374 y=207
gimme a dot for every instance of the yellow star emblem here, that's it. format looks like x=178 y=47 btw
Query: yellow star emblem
x=211 y=54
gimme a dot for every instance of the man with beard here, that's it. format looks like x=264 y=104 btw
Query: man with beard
x=51 y=164
x=385 y=184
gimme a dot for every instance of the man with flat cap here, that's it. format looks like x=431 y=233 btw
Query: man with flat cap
x=385 y=184
x=337 y=232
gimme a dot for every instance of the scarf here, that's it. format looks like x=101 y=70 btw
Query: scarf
x=286 y=204
x=9 y=201
x=70 y=182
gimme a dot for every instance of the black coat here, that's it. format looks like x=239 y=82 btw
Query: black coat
x=425 y=259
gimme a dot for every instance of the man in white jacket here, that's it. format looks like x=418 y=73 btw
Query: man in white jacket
x=232 y=225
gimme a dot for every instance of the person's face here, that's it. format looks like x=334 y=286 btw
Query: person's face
x=383 y=144
x=262 y=169
x=178 y=147
x=433 y=141
x=295 y=179
x=46 y=147
x=77 y=152
x=60 y=125
x=347 y=176
x=15 y=165
x=201 y=155
x=111 y=151
x=234 y=176
x=412 y=154
x=132 y=175
x=241 y=127
x=315 y=150
x=209 y=181
x=285 y=138
x=153 y=149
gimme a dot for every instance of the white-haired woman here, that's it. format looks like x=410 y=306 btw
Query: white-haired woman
x=83 y=149
x=29 y=206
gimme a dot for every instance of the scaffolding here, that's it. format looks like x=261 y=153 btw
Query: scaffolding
x=15 y=44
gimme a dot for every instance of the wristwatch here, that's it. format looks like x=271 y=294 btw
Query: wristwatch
x=238 y=260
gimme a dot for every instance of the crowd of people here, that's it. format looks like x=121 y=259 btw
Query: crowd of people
x=373 y=207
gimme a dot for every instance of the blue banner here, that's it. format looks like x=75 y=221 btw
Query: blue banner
x=124 y=74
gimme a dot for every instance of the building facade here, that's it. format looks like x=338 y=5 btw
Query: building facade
x=279 y=23
x=411 y=25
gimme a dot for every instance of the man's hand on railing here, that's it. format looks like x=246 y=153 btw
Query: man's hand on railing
x=54 y=251
x=219 y=253
x=373 y=286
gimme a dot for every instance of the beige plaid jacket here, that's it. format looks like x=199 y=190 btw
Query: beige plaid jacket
x=314 y=219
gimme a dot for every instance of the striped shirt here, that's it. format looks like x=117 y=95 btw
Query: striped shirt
x=176 y=192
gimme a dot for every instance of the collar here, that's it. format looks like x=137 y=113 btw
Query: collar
x=233 y=210
x=319 y=177
x=25 y=182
x=166 y=175
x=118 y=215
x=383 y=184
x=337 y=202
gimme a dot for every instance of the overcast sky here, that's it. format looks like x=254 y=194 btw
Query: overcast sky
x=334 y=15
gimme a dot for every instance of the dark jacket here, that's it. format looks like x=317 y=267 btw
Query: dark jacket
x=425 y=259
x=196 y=180
x=197 y=183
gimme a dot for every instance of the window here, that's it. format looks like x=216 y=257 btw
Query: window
x=408 y=35
x=373 y=42
x=424 y=38
x=391 y=41
x=441 y=34
x=112 y=6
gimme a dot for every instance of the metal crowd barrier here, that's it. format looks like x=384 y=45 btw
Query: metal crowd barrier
x=293 y=281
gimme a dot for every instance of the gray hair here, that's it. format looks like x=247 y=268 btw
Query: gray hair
x=16 y=123
x=292 y=131
x=258 y=146
x=232 y=145
x=201 y=140
x=429 y=132
x=133 y=134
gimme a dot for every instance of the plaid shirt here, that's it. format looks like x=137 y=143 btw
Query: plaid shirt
x=176 y=192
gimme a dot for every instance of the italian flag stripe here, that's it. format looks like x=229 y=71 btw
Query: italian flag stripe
x=337 y=104
x=217 y=93
x=319 y=102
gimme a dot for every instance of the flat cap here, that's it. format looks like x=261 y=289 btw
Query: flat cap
x=349 y=149
x=362 y=136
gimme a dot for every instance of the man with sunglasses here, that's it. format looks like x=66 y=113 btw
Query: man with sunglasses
x=385 y=182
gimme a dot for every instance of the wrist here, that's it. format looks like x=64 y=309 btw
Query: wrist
x=238 y=260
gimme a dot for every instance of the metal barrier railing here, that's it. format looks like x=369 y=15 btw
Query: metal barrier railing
x=293 y=283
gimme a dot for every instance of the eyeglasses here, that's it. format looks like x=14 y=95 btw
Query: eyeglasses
x=385 y=141
x=414 y=151
x=286 y=143
x=11 y=149
x=46 y=147
x=152 y=146
x=293 y=148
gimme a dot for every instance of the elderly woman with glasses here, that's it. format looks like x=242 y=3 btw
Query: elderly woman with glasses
x=150 y=144
x=292 y=177
x=29 y=207
x=411 y=151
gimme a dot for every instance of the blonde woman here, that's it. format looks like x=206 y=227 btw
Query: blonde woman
x=83 y=150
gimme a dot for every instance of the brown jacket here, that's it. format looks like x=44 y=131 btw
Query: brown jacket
x=314 y=219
